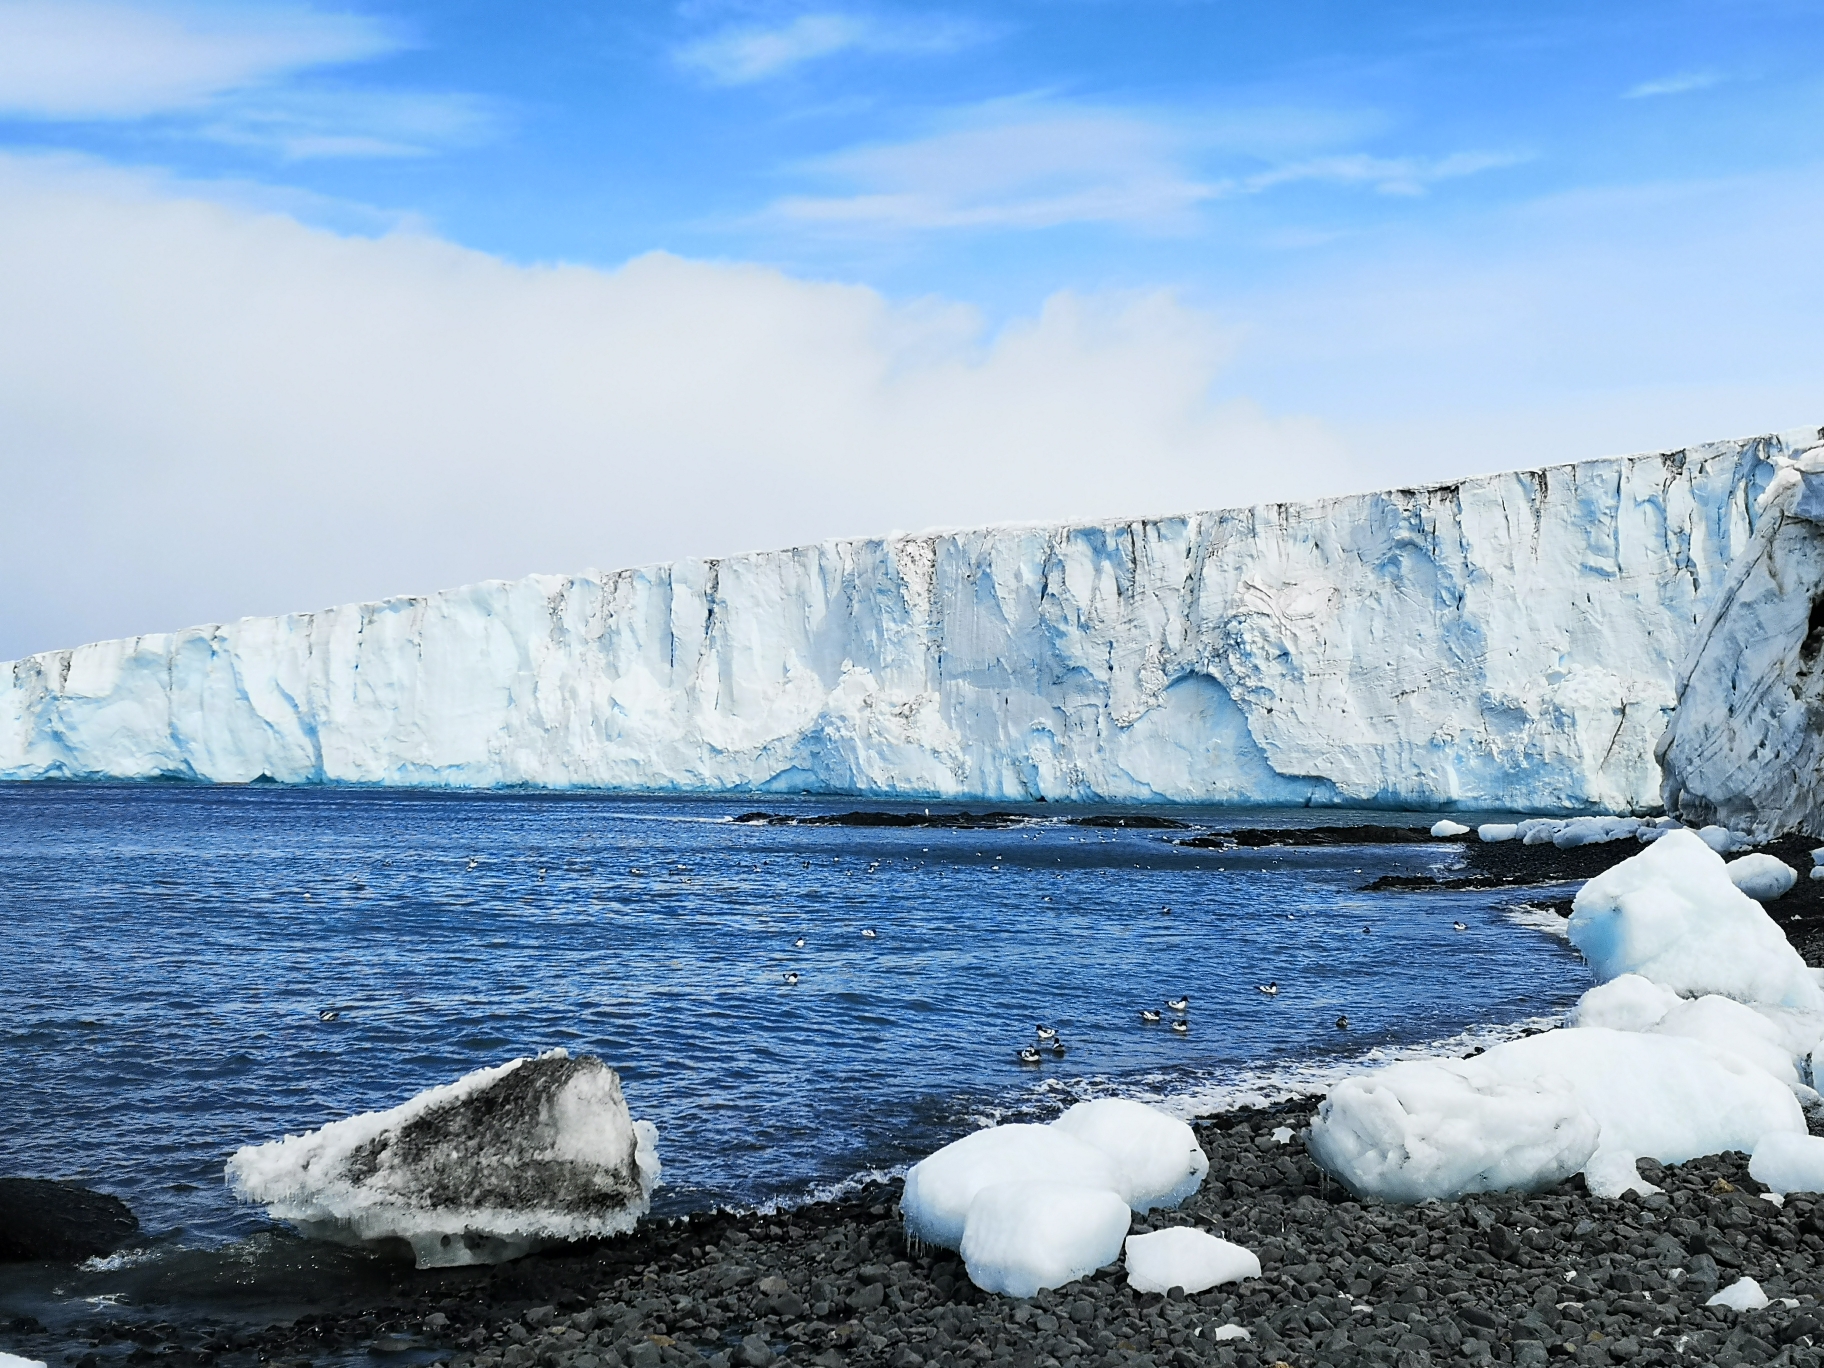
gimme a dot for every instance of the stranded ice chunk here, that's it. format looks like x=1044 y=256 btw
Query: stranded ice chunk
x=1762 y=877
x=1789 y=1163
x=1182 y=1257
x=1654 y=1096
x=1022 y=1236
x=1672 y=914
x=1441 y=1128
x=1444 y=827
x=487 y=1168
x=1159 y=1159
x=940 y=1188
x=1742 y=1295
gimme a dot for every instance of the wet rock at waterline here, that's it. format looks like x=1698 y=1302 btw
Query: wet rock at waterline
x=502 y=1161
x=52 y=1222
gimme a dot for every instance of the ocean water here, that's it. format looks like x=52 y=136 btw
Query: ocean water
x=169 y=950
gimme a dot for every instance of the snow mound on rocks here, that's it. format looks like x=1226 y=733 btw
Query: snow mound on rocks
x=1182 y=1257
x=1789 y=1163
x=487 y=1168
x=1531 y=1112
x=1023 y=1236
x=1762 y=877
x=1159 y=1159
x=1744 y=1294
x=1672 y=915
x=1441 y=1128
x=941 y=1187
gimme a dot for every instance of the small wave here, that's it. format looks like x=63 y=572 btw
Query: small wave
x=113 y=1263
x=1539 y=918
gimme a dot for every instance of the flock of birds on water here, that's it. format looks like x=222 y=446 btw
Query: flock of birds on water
x=1048 y=1038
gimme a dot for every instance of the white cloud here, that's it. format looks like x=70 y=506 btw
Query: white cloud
x=1680 y=84
x=207 y=410
x=103 y=59
x=1037 y=164
x=740 y=54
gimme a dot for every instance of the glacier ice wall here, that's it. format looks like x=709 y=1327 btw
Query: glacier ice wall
x=1746 y=745
x=1510 y=640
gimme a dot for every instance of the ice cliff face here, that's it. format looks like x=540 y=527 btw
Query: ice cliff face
x=1507 y=641
x=1746 y=748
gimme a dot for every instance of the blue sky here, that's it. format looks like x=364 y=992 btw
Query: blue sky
x=1290 y=249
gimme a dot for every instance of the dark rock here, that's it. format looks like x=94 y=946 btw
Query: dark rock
x=53 y=1222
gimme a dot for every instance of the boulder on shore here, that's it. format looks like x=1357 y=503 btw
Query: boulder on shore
x=42 y=1220
x=501 y=1162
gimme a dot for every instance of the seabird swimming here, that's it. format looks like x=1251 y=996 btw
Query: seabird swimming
x=1181 y=1026
x=1029 y=1055
x=329 y=1014
x=791 y=978
x=1459 y=926
x=1057 y=1046
x=1342 y=1023
x=1182 y=1004
x=867 y=933
x=1147 y=1014
x=1046 y=1032
x=798 y=944
x=1270 y=989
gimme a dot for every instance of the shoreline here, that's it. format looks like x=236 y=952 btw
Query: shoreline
x=1550 y=1276
x=803 y=1279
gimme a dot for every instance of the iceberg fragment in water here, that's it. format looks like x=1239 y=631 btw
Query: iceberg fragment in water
x=488 y=1168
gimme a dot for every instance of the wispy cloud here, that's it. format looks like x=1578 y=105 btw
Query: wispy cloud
x=1680 y=84
x=1035 y=164
x=305 y=125
x=740 y=54
x=100 y=59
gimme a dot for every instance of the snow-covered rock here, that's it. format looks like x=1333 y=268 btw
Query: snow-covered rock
x=941 y=1187
x=1672 y=914
x=487 y=1168
x=1762 y=877
x=1157 y=1156
x=1744 y=1294
x=1510 y=639
x=1182 y=1257
x=1022 y=1236
x=1441 y=1128
x=1789 y=1163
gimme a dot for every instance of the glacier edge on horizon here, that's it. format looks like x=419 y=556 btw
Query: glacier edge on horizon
x=1506 y=641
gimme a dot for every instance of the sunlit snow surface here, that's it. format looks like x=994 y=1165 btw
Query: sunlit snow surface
x=170 y=949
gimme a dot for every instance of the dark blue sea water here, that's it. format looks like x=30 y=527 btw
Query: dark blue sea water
x=168 y=950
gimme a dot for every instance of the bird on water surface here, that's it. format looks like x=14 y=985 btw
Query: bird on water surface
x=798 y=944
x=329 y=1014
x=1181 y=1026
x=868 y=933
x=1459 y=926
x=1182 y=1004
x=1270 y=989
x=1046 y=1032
x=791 y=979
x=1342 y=1023
x=1147 y=1014
x=1029 y=1055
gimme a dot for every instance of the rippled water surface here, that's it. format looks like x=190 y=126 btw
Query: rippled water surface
x=169 y=949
